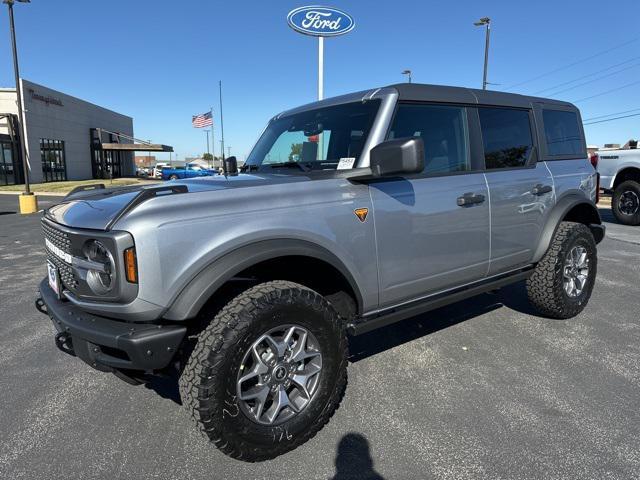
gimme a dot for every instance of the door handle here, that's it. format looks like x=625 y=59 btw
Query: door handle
x=540 y=189
x=469 y=199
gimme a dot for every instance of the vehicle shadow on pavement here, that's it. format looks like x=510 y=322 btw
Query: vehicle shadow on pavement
x=607 y=215
x=371 y=343
x=353 y=459
x=166 y=387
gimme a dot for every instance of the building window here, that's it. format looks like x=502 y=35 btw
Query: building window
x=54 y=167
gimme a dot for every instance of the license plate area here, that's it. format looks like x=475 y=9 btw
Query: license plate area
x=54 y=277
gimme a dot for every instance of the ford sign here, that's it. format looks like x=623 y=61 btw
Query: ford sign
x=320 y=21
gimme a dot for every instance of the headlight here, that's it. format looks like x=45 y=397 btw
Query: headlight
x=101 y=280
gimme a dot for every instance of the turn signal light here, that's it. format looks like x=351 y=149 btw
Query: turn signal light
x=130 y=265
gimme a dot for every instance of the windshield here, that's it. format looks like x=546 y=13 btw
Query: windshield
x=315 y=139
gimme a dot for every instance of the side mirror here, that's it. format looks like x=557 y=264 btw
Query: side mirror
x=232 y=165
x=397 y=157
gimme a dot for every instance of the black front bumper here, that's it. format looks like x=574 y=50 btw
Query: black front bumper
x=108 y=344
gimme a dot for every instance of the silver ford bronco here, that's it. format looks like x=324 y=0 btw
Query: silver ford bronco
x=349 y=214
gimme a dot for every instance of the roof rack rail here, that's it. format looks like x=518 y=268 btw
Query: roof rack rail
x=144 y=195
x=83 y=188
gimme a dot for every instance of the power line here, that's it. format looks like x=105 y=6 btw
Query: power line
x=610 y=114
x=608 y=91
x=601 y=70
x=612 y=119
x=551 y=72
x=595 y=79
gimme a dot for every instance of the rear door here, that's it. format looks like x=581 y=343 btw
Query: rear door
x=520 y=187
x=432 y=228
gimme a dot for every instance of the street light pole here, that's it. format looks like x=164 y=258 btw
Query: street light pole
x=23 y=149
x=486 y=21
x=408 y=74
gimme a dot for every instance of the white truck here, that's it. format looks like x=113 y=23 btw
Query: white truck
x=620 y=175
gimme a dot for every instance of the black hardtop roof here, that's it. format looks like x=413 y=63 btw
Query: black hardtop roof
x=419 y=92
x=443 y=93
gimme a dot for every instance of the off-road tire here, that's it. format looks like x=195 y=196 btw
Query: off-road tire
x=545 y=286
x=208 y=380
x=624 y=218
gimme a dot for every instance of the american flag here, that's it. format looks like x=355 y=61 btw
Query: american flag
x=202 y=120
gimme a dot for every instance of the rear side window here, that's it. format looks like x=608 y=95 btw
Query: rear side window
x=443 y=130
x=562 y=133
x=506 y=136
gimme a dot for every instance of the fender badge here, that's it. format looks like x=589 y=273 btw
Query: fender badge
x=361 y=213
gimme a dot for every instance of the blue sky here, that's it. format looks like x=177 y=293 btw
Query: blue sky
x=160 y=61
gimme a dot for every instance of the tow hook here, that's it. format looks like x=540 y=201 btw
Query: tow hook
x=41 y=306
x=63 y=342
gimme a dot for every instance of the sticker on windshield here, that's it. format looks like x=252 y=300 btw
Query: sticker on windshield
x=346 y=163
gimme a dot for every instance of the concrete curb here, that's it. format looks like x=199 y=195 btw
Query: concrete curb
x=46 y=194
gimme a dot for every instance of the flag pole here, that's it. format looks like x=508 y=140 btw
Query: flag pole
x=213 y=139
x=224 y=164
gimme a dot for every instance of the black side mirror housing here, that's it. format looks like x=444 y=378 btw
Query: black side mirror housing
x=232 y=165
x=401 y=156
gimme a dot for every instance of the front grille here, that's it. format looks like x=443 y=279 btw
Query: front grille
x=61 y=240
x=65 y=271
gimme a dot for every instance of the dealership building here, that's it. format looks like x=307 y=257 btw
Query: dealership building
x=66 y=138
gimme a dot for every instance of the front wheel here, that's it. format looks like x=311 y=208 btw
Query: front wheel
x=625 y=203
x=561 y=283
x=268 y=372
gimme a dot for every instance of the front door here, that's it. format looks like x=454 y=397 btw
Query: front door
x=432 y=229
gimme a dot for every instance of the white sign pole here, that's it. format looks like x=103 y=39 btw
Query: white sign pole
x=320 y=68
x=320 y=90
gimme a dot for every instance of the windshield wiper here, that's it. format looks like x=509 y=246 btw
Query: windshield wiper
x=248 y=168
x=304 y=168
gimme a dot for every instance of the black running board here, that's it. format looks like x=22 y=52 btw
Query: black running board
x=396 y=314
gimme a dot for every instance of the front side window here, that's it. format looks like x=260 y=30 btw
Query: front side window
x=506 y=136
x=562 y=132
x=314 y=139
x=54 y=167
x=443 y=130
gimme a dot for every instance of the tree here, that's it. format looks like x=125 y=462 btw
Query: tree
x=296 y=150
x=207 y=156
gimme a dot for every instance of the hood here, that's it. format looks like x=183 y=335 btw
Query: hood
x=98 y=209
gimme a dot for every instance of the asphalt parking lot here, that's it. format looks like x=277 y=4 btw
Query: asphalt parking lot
x=480 y=389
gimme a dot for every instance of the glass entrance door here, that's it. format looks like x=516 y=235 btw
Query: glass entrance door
x=7 y=171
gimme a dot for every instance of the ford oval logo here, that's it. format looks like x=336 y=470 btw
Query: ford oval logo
x=320 y=21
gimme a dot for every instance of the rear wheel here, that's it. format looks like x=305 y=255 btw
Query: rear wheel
x=268 y=371
x=173 y=177
x=626 y=202
x=561 y=283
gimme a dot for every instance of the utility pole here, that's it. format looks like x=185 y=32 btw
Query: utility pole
x=486 y=21
x=23 y=148
x=228 y=151
x=207 y=132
